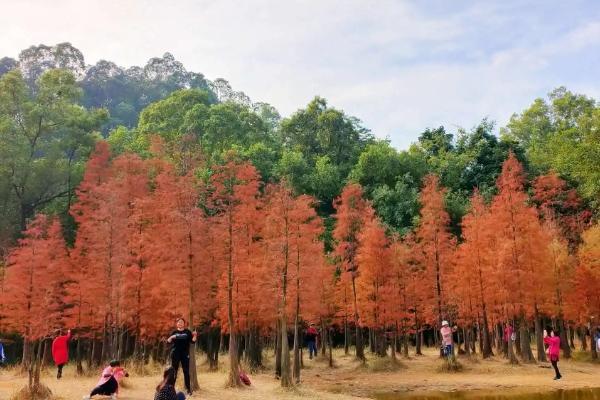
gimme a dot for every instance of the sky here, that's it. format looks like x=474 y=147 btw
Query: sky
x=399 y=66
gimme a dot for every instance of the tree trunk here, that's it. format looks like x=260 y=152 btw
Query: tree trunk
x=195 y=385
x=78 y=357
x=592 y=344
x=296 y=369
x=571 y=336
x=418 y=342
x=26 y=360
x=539 y=338
x=278 y=349
x=360 y=352
x=255 y=350
x=330 y=343
x=286 y=380
x=486 y=345
x=213 y=344
x=526 y=353
x=346 y=337
x=562 y=332
x=467 y=342
x=510 y=351
x=582 y=338
x=394 y=345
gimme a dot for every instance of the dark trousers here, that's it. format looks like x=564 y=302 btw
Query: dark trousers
x=184 y=360
x=107 y=388
x=60 y=367
x=312 y=348
x=555 y=365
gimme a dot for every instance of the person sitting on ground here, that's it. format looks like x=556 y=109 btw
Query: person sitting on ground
x=166 y=389
x=108 y=385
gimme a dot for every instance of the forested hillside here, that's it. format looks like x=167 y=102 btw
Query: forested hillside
x=112 y=179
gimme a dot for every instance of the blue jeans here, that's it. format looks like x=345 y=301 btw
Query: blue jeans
x=448 y=350
x=180 y=396
x=312 y=348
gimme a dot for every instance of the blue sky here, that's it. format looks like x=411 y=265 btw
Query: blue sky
x=399 y=66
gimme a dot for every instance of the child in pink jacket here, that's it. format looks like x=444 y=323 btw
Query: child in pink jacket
x=553 y=342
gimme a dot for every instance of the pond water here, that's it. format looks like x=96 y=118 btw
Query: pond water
x=560 y=394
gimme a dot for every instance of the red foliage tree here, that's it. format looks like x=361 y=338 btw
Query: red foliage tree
x=234 y=199
x=435 y=248
x=351 y=212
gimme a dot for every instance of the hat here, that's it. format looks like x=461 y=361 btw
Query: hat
x=444 y=323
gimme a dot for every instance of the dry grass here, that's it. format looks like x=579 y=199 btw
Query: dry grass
x=38 y=392
x=349 y=380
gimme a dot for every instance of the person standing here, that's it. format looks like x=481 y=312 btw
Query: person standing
x=182 y=338
x=447 y=341
x=553 y=342
x=508 y=331
x=60 y=351
x=2 y=355
x=311 y=340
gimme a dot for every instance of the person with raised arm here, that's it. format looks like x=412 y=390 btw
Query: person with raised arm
x=182 y=338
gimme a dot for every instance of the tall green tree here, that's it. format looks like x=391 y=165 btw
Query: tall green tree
x=562 y=134
x=45 y=138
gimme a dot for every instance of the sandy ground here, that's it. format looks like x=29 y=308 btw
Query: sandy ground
x=348 y=380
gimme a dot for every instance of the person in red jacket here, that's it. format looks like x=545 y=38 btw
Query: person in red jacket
x=60 y=351
x=552 y=339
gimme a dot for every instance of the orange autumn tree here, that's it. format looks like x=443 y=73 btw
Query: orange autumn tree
x=307 y=260
x=351 y=210
x=586 y=296
x=86 y=288
x=475 y=262
x=520 y=257
x=559 y=203
x=35 y=290
x=562 y=267
x=176 y=248
x=400 y=294
x=373 y=259
x=234 y=197
x=435 y=246
x=291 y=233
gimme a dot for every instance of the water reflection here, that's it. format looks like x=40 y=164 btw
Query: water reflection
x=560 y=394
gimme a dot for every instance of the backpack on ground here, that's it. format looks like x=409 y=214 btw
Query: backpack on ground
x=244 y=378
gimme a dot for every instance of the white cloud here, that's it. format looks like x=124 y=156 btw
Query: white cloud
x=399 y=66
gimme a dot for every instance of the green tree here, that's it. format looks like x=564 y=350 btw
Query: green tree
x=562 y=134
x=45 y=138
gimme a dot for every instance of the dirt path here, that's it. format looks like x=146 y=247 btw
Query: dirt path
x=349 y=380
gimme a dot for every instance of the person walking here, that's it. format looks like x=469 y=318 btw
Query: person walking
x=60 y=351
x=181 y=338
x=311 y=340
x=166 y=389
x=552 y=339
